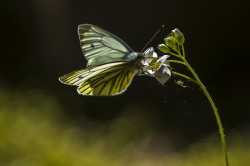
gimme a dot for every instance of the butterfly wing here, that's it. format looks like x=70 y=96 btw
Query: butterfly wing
x=101 y=47
x=103 y=80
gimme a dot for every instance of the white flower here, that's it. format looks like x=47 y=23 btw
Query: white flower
x=156 y=67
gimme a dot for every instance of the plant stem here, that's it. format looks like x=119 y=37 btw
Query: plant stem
x=217 y=116
x=175 y=61
x=184 y=76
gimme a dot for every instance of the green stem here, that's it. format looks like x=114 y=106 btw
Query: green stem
x=184 y=76
x=217 y=116
x=183 y=51
x=175 y=61
x=177 y=55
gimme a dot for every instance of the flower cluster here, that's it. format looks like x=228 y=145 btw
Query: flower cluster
x=155 y=66
x=173 y=42
x=159 y=67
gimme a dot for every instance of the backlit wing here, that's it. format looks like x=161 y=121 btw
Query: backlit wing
x=101 y=47
x=103 y=80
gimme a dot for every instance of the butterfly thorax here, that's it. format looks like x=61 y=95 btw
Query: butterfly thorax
x=135 y=58
x=131 y=56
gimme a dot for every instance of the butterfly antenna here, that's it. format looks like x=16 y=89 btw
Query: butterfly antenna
x=152 y=37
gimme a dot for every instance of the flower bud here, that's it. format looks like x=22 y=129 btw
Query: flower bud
x=170 y=42
x=163 y=48
x=178 y=36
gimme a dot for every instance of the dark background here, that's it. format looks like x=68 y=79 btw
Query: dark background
x=39 y=43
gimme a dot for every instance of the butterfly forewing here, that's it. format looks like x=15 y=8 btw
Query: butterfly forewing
x=100 y=47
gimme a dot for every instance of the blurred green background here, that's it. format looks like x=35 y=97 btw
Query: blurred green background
x=43 y=122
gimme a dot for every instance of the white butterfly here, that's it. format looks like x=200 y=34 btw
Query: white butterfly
x=112 y=64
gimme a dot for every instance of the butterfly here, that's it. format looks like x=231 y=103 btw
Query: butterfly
x=111 y=66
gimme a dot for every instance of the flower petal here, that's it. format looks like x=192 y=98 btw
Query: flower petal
x=155 y=55
x=162 y=74
x=162 y=59
x=147 y=61
x=149 y=52
x=167 y=63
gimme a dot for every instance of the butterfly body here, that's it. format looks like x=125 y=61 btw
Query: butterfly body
x=111 y=66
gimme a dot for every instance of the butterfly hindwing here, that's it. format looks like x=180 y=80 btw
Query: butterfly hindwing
x=100 y=46
x=79 y=76
x=107 y=79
